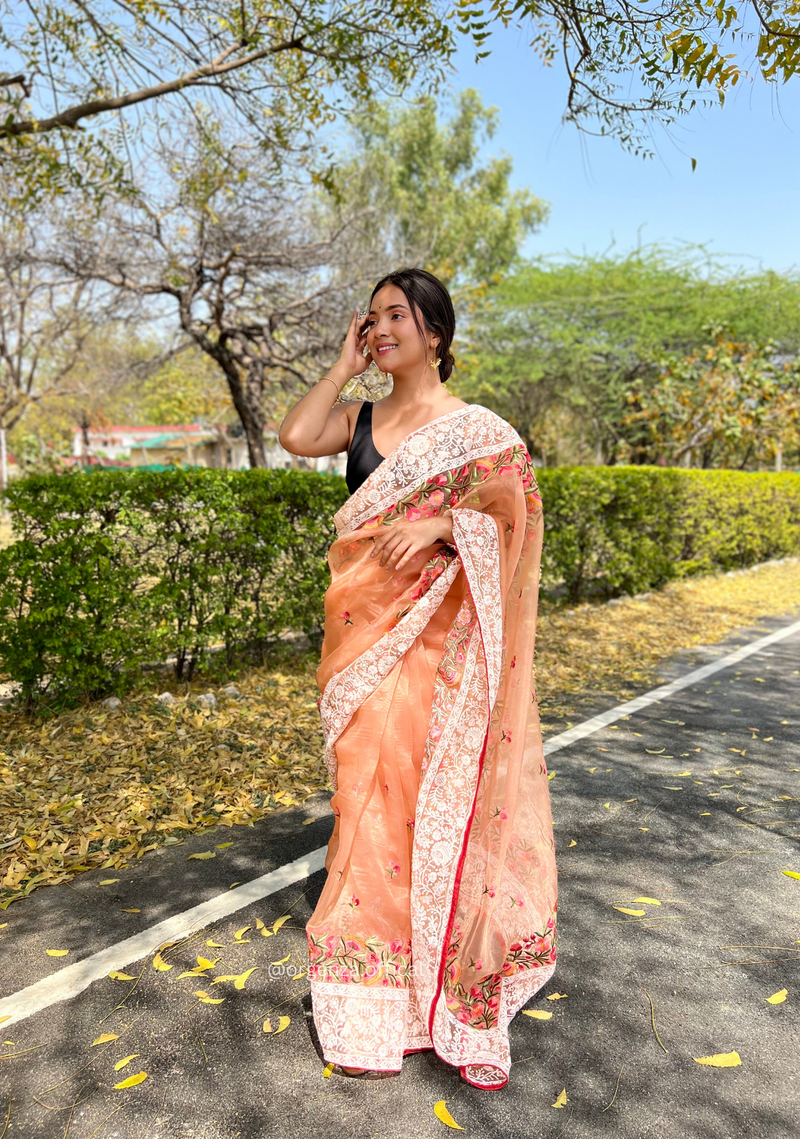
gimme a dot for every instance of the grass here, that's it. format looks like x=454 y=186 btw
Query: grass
x=94 y=787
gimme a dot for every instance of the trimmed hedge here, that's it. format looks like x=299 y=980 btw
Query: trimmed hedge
x=116 y=569
x=627 y=529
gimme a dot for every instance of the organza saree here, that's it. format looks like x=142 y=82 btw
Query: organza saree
x=437 y=921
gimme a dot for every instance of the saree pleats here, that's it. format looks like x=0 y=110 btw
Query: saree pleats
x=437 y=919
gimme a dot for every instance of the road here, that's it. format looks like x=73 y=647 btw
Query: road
x=689 y=800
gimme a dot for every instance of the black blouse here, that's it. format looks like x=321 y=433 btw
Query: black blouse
x=362 y=457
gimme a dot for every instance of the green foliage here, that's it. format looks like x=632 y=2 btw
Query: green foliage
x=273 y=71
x=116 y=570
x=423 y=184
x=726 y=405
x=612 y=530
x=560 y=345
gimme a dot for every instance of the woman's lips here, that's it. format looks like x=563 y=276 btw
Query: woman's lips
x=385 y=348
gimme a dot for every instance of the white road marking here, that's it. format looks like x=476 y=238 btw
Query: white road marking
x=73 y=979
x=588 y=727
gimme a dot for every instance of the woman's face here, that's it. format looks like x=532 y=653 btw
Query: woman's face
x=392 y=334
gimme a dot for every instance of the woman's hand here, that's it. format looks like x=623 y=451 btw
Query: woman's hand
x=352 y=360
x=402 y=542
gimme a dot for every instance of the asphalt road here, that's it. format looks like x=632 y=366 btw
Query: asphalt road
x=692 y=802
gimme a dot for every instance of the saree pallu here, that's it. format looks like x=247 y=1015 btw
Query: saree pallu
x=437 y=921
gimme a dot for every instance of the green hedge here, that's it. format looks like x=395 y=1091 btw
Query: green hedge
x=116 y=569
x=113 y=570
x=613 y=530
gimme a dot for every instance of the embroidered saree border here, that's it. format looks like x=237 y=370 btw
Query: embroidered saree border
x=417 y=1017
x=348 y=689
x=445 y=443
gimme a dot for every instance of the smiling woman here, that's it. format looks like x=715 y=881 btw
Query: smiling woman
x=437 y=921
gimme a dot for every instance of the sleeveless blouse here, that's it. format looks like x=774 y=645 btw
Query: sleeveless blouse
x=362 y=457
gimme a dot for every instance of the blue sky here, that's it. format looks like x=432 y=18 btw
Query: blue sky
x=742 y=200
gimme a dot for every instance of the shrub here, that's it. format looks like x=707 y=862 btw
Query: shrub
x=117 y=569
x=627 y=529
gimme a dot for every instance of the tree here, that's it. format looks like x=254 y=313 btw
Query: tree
x=725 y=405
x=431 y=200
x=261 y=273
x=47 y=315
x=76 y=72
x=561 y=344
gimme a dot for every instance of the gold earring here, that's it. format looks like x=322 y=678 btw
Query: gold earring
x=435 y=363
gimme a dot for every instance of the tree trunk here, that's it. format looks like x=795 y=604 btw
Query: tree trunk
x=246 y=397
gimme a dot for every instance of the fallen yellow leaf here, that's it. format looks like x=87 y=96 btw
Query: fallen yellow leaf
x=131 y=911
x=791 y=873
x=56 y=952
x=238 y=979
x=282 y=961
x=778 y=998
x=283 y=1023
x=223 y=845
x=606 y=804
x=104 y=1039
x=551 y=775
x=205 y=854
x=234 y=884
x=241 y=932
x=108 y=882
x=260 y=924
x=537 y=1014
x=160 y=964
x=202 y=966
x=633 y=913
x=214 y=944
x=120 y=1064
x=441 y=1112
x=572 y=842
x=556 y=996
x=561 y=1101
x=326 y=1071
x=5 y=1018
x=720 y=1060
x=591 y=769
x=648 y=901
x=205 y=999
x=115 y=975
x=267 y=1025
x=280 y=922
x=132 y=1081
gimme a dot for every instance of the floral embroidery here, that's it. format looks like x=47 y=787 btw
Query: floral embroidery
x=348 y=620
x=436 y=466
x=479 y=1006
x=392 y=869
x=353 y=902
x=365 y=960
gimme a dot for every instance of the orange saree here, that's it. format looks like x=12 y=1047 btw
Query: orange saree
x=437 y=921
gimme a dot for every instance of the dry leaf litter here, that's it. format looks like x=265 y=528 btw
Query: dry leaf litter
x=96 y=787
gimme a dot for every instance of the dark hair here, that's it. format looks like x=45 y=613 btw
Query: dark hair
x=426 y=292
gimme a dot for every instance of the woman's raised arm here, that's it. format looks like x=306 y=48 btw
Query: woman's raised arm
x=314 y=426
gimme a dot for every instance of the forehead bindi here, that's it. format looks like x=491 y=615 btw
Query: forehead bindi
x=389 y=298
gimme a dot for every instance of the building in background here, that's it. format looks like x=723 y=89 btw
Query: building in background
x=187 y=445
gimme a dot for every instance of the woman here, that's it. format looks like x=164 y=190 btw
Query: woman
x=437 y=921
